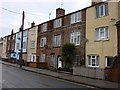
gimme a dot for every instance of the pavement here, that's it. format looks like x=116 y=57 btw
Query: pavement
x=103 y=84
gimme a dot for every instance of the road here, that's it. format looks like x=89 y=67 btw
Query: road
x=17 y=78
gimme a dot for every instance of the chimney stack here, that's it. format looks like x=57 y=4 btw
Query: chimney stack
x=33 y=24
x=12 y=32
x=96 y=1
x=60 y=12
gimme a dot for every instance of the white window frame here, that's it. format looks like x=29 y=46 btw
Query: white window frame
x=42 y=58
x=43 y=41
x=17 y=46
x=101 y=9
x=33 y=55
x=91 y=61
x=24 y=45
x=52 y=59
x=32 y=44
x=99 y=36
x=58 y=23
x=77 y=60
x=44 y=27
x=76 y=17
x=57 y=40
x=74 y=38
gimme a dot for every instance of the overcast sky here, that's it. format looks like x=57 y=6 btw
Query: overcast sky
x=35 y=10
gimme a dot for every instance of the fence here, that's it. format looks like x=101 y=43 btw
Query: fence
x=113 y=73
x=89 y=72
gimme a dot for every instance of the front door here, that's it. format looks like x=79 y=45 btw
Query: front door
x=59 y=62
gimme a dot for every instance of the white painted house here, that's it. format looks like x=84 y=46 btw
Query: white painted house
x=18 y=44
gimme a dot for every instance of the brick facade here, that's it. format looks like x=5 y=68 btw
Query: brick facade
x=11 y=45
x=118 y=35
x=65 y=31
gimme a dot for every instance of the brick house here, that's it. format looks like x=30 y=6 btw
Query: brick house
x=4 y=48
x=118 y=36
x=1 y=45
x=11 y=45
x=53 y=34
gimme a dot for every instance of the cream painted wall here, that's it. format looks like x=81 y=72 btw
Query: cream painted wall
x=101 y=48
x=4 y=51
x=32 y=38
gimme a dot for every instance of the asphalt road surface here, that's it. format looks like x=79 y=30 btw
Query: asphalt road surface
x=17 y=78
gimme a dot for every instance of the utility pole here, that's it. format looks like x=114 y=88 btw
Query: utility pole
x=22 y=28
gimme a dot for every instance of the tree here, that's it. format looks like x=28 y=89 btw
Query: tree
x=68 y=54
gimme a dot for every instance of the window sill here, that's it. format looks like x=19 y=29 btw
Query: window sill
x=75 y=22
x=32 y=48
x=93 y=66
x=101 y=16
x=102 y=40
x=56 y=46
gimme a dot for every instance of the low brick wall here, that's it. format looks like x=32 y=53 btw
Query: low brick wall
x=89 y=72
x=39 y=65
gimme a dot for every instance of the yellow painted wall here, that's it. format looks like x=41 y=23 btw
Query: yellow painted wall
x=32 y=38
x=101 y=48
x=4 y=51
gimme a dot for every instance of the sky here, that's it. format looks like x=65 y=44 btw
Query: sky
x=35 y=10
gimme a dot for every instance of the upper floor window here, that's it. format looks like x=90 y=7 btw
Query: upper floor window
x=32 y=44
x=44 y=27
x=18 y=36
x=102 y=33
x=43 y=42
x=33 y=31
x=57 y=23
x=75 y=38
x=17 y=46
x=24 y=33
x=76 y=17
x=57 y=40
x=24 y=45
x=102 y=10
x=93 y=61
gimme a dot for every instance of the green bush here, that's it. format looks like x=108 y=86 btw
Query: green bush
x=68 y=54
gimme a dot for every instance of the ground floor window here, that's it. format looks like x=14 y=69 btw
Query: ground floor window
x=93 y=61
x=42 y=59
x=77 y=60
x=31 y=58
x=52 y=60
x=109 y=61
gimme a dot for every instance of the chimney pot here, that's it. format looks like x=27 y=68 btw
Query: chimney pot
x=96 y=1
x=60 y=12
x=33 y=24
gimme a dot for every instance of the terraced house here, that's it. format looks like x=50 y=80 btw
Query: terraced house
x=11 y=45
x=32 y=45
x=4 y=48
x=101 y=33
x=1 y=45
x=18 y=45
x=53 y=34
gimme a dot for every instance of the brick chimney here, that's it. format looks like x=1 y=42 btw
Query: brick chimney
x=60 y=12
x=96 y=1
x=33 y=24
x=12 y=32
